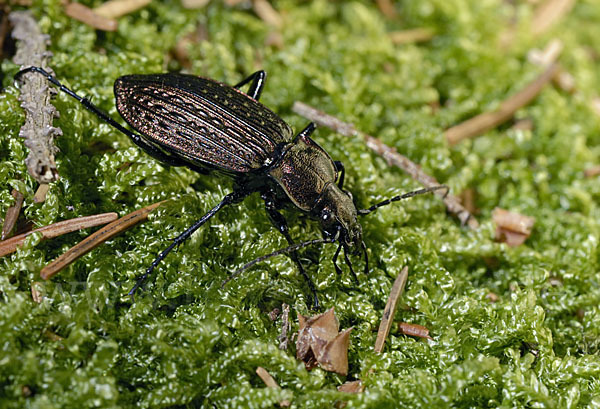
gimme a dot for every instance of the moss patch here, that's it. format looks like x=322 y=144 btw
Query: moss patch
x=187 y=342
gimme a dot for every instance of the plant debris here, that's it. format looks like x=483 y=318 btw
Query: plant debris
x=97 y=238
x=57 y=229
x=415 y=35
x=414 y=330
x=488 y=120
x=352 y=387
x=321 y=343
x=114 y=9
x=391 y=155
x=512 y=228
x=286 y=326
x=35 y=98
x=390 y=309
x=271 y=383
x=12 y=214
x=88 y=16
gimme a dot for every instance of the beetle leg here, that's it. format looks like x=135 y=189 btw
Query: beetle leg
x=233 y=197
x=281 y=224
x=339 y=166
x=258 y=83
x=137 y=139
x=338 y=270
x=350 y=265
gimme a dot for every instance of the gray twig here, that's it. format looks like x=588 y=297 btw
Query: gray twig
x=390 y=155
x=35 y=98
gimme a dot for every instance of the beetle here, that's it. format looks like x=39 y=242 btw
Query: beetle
x=206 y=125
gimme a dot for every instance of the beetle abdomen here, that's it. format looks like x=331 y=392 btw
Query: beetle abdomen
x=203 y=121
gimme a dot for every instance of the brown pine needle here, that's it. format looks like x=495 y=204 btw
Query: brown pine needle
x=97 y=238
x=489 y=120
x=118 y=8
x=390 y=309
x=40 y=193
x=267 y=13
x=12 y=214
x=88 y=16
x=549 y=13
x=390 y=154
x=270 y=382
x=415 y=35
x=57 y=229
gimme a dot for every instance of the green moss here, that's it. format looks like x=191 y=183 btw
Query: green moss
x=186 y=342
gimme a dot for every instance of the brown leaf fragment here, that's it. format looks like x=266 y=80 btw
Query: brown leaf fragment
x=390 y=309
x=57 y=229
x=592 y=171
x=333 y=355
x=492 y=297
x=38 y=132
x=12 y=214
x=387 y=8
x=320 y=343
x=352 y=387
x=94 y=240
x=512 y=228
x=113 y=9
x=87 y=16
x=414 y=330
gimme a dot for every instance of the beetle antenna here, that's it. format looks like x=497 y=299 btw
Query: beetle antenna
x=288 y=249
x=386 y=202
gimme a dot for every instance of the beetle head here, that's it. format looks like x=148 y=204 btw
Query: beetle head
x=339 y=218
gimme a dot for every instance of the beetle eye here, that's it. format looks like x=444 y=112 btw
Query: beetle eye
x=325 y=215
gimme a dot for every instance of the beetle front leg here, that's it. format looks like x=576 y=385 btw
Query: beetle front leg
x=281 y=224
x=258 y=83
x=339 y=166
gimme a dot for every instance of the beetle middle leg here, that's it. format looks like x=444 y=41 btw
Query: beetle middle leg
x=233 y=197
x=281 y=224
x=258 y=83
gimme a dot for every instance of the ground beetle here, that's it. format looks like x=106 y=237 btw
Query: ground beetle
x=184 y=120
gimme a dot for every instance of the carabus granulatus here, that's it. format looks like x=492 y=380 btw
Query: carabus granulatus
x=184 y=120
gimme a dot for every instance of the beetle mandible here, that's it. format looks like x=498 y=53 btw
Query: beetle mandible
x=203 y=124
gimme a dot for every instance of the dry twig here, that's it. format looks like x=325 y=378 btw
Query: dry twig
x=390 y=155
x=387 y=8
x=488 y=120
x=97 y=238
x=390 y=309
x=284 y=338
x=57 y=229
x=12 y=214
x=41 y=192
x=35 y=98
x=549 y=13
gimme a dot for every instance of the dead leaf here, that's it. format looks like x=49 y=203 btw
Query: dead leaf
x=321 y=343
x=512 y=228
